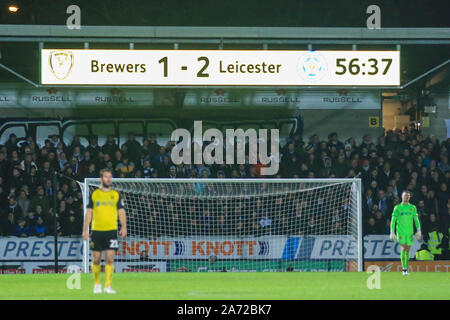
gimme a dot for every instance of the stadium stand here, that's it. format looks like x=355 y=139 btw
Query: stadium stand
x=401 y=159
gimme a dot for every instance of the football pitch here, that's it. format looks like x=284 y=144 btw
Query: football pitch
x=232 y=286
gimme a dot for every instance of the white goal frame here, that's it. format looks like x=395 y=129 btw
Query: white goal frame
x=357 y=184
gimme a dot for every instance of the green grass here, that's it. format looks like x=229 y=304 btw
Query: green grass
x=222 y=286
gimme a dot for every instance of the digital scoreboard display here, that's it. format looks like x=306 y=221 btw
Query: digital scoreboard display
x=219 y=67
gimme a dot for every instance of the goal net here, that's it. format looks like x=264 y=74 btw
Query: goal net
x=223 y=225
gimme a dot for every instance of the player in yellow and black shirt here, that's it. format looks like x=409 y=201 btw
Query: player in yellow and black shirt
x=104 y=208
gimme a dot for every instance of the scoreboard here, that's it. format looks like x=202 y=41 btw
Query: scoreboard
x=219 y=67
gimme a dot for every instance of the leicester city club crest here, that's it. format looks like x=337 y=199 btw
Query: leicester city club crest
x=61 y=63
x=312 y=66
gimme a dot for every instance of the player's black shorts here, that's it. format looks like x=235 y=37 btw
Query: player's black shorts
x=104 y=240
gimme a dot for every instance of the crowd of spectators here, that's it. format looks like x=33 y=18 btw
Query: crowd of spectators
x=400 y=160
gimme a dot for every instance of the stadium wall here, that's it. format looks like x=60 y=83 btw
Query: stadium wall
x=439 y=122
x=36 y=255
x=350 y=113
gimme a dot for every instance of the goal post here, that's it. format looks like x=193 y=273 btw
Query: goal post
x=237 y=224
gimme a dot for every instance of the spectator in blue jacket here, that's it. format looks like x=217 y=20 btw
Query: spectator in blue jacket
x=21 y=229
x=39 y=229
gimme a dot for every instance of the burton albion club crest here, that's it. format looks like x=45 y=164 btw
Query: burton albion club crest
x=312 y=66
x=61 y=63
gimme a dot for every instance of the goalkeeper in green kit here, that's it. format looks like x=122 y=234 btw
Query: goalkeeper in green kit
x=403 y=219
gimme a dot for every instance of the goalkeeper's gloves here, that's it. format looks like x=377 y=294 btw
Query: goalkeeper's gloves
x=393 y=237
x=418 y=235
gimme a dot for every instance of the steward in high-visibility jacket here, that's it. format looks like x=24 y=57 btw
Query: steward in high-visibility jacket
x=434 y=241
x=423 y=254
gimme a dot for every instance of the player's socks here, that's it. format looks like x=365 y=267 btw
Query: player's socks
x=406 y=260
x=96 y=271
x=109 y=269
x=402 y=259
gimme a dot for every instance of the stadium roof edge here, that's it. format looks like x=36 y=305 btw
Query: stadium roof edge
x=55 y=33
